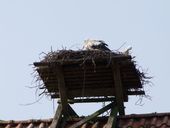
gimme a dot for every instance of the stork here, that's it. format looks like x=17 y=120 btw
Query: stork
x=95 y=45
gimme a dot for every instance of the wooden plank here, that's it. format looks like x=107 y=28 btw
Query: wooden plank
x=78 y=82
x=61 y=86
x=57 y=117
x=83 y=121
x=118 y=87
x=111 y=123
x=89 y=100
x=90 y=92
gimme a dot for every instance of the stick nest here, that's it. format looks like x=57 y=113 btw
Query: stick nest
x=81 y=54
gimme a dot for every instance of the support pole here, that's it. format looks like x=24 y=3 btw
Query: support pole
x=61 y=87
x=61 y=113
x=57 y=117
x=111 y=123
x=118 y=87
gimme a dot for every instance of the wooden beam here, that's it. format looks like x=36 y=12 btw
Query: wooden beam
x=61 y=86
x=83 y=121
x=72 y=101
x=76 y=93
x=57 y=117
x=71 y=112
x=68 y=115
x=118 y=87
x=111 y=123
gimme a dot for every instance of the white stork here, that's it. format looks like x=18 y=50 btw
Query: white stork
x=95 y=45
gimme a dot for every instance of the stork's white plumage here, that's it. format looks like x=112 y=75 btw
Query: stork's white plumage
x=127 y=51
x=95 y=45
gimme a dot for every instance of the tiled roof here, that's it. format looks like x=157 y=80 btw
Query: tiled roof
x=26 y=123
x=153 y=120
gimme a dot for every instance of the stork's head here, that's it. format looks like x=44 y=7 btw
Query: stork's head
x=88 y=44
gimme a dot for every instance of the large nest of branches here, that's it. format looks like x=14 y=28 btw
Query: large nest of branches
x=81 y=54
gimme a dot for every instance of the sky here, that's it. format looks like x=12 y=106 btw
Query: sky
x=30 y=27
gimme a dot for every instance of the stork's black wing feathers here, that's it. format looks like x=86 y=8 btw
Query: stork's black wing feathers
x=102 y=46
x=102 y=42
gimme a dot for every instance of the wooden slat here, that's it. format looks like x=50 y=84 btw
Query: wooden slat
x=96 y=92
x=79 y=75
x=128 y=93
x=77 y=67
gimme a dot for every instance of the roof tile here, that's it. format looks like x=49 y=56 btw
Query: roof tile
x=8 y=126
x=20 y=126
x=31 y=125
x=42 y=125
x=96 y=125
x=84 y=125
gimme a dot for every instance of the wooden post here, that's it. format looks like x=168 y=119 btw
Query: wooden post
x=83 y=121
x=61 y=87
x=63 y=107
x=57 y=117
x=118 y=87
x=111 y=123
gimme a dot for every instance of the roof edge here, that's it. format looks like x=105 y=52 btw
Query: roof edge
x=154 y=114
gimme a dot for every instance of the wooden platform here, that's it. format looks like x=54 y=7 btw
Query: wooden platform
x=90 y=78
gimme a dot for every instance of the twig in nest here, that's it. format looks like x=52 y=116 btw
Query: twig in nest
x=121 y=46
x=43 y=53
x=94 y=64
x=140 y=100
x=36 y=86
x=110 y=60
x=43 y=92
x=51 y=49
x=32 y=102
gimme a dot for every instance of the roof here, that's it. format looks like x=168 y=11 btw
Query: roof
x=152 y=120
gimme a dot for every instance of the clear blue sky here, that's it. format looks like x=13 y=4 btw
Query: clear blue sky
x=28 y=27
